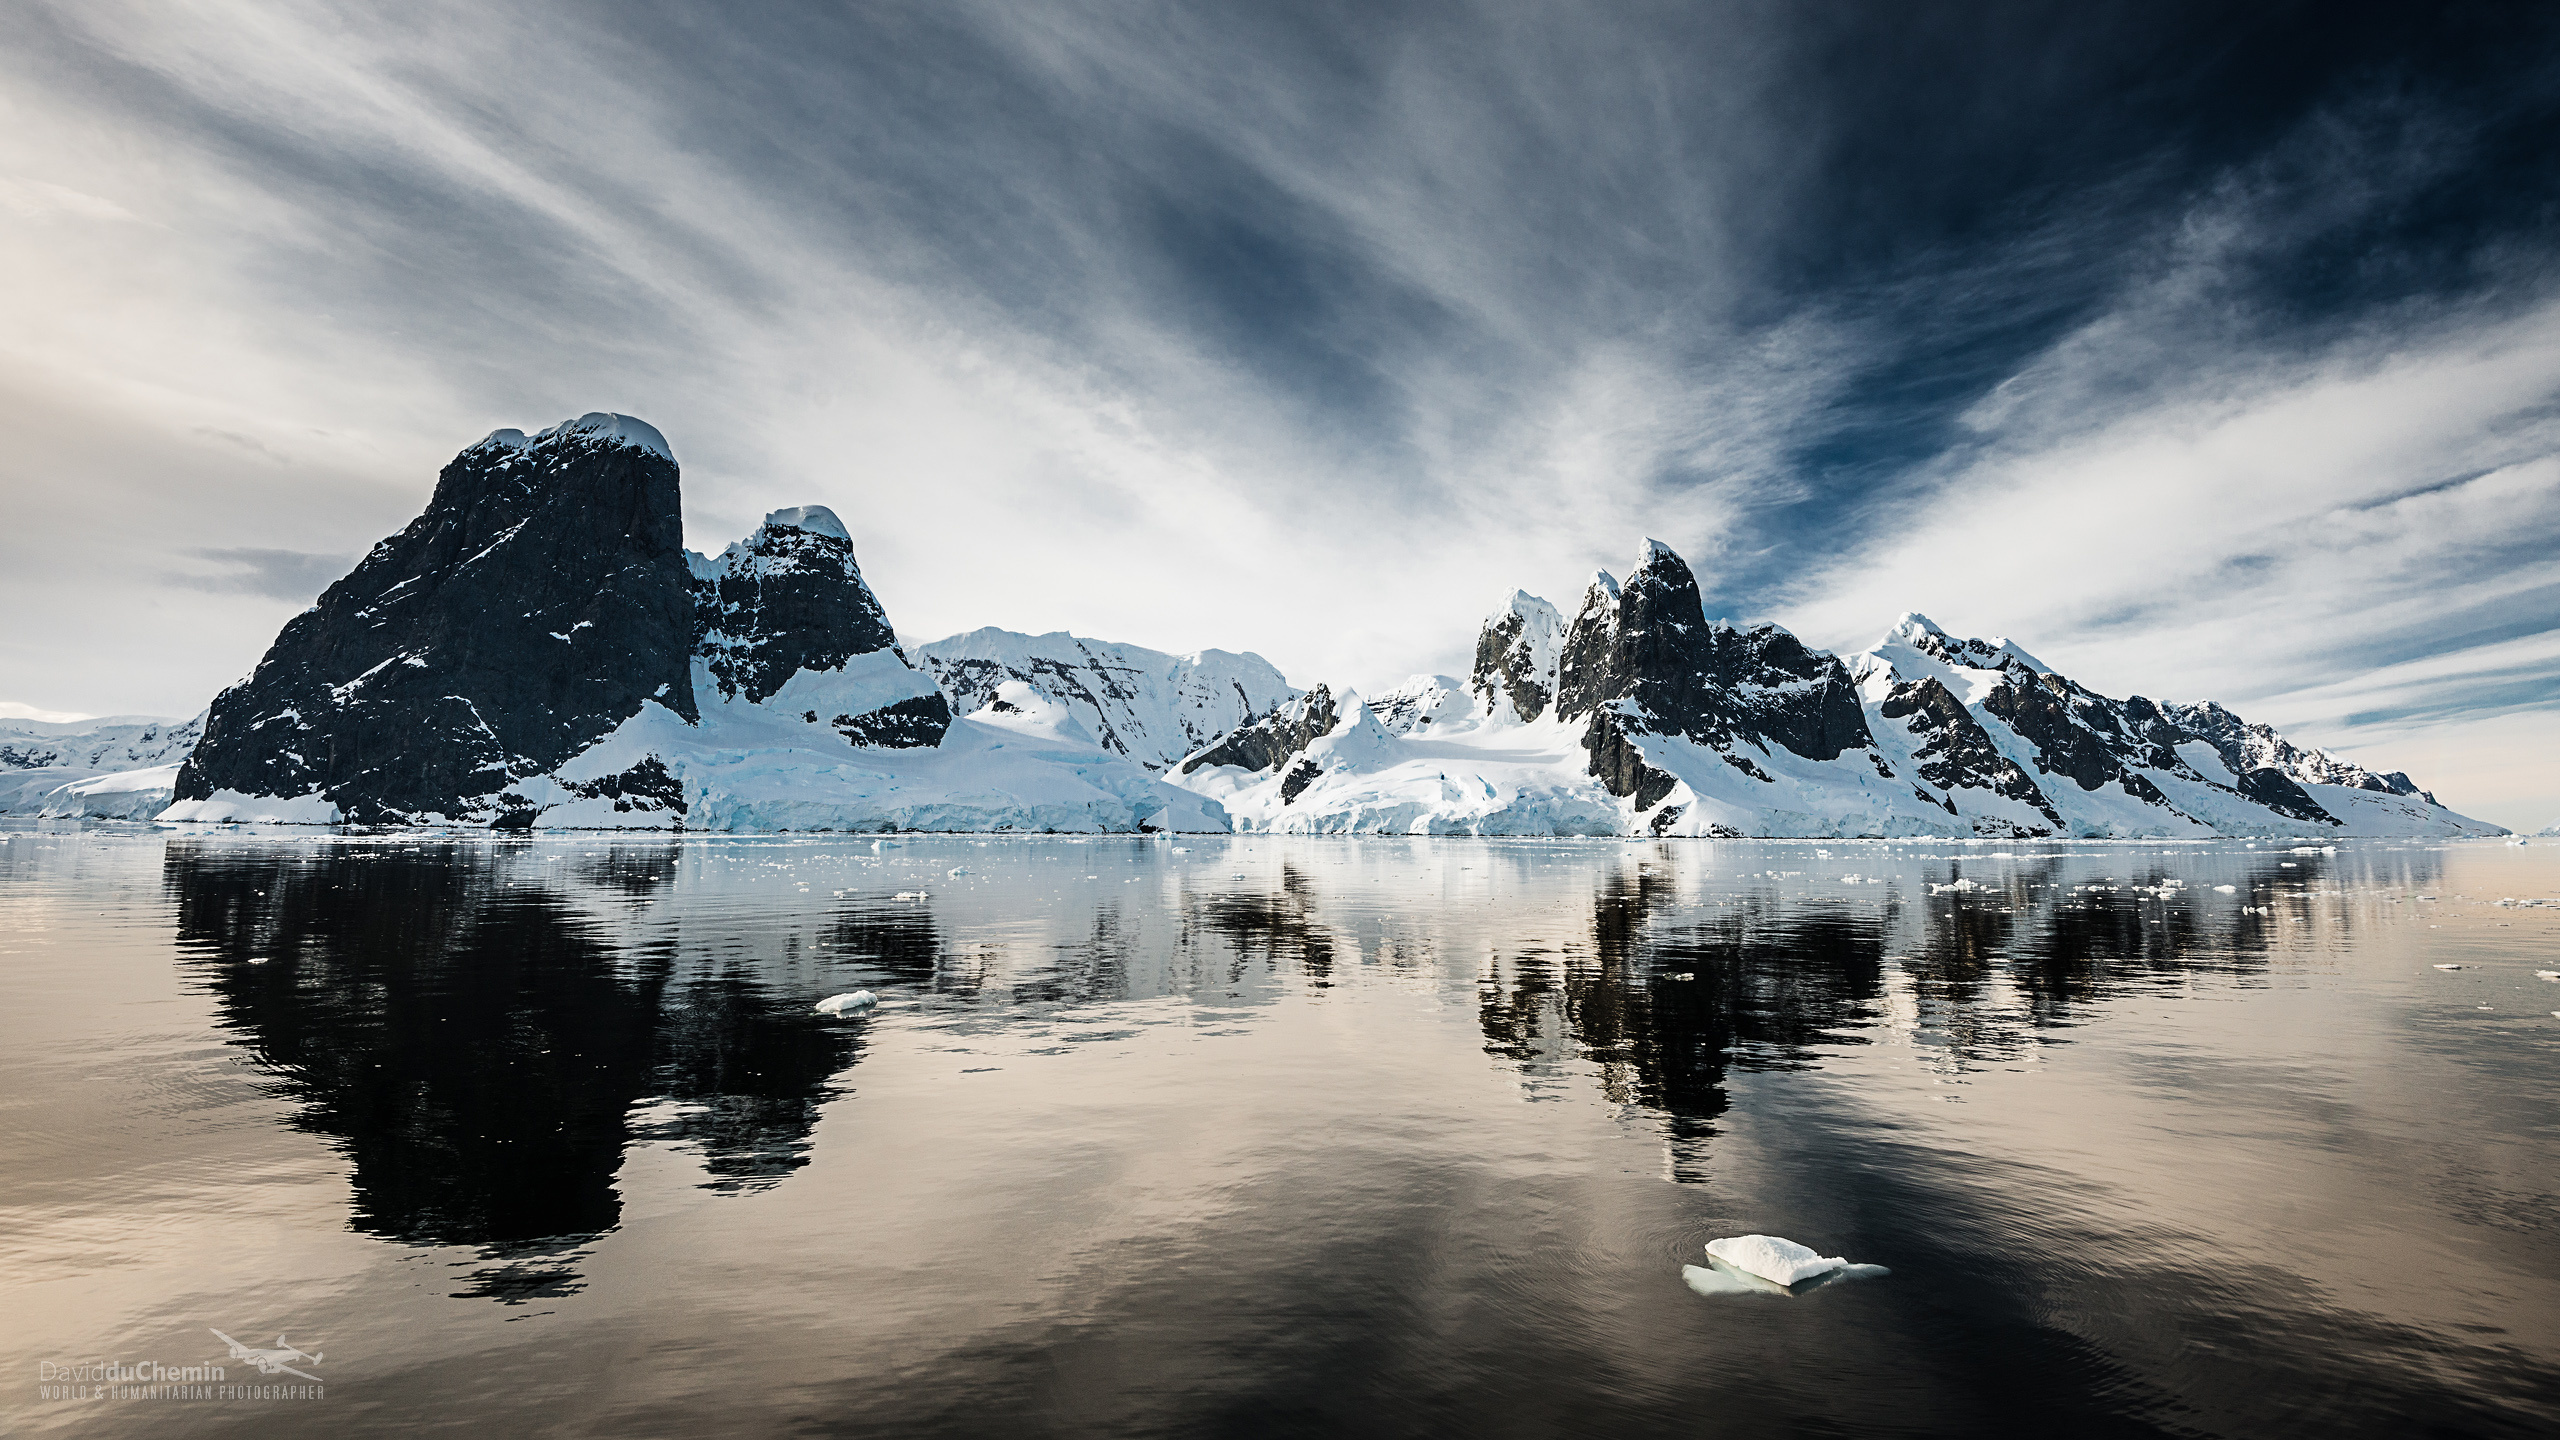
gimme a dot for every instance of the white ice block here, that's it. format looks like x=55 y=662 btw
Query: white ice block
x=1773 y=1258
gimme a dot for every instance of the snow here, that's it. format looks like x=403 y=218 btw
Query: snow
x=230 y=807
x=1424 y=701
x=1149 y=706
x=610 y=428
x=816 y=519
x=115 y=795
x=1773 y=1258
x=110 y=767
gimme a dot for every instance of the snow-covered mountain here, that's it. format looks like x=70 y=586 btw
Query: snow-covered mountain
x=1639 y=716
x=1152 y=707
x=109 y=742
x=55 y=768
x=538 y=649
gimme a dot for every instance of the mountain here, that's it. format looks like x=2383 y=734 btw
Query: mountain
x=540 y=601
x=1146 y=705
x=1640 y=716
x=537 y=648
x=116 y=766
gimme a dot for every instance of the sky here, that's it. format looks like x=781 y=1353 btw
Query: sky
x=2206 y=351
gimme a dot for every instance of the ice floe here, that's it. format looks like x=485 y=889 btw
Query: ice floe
x=839 y=1004
x=1773 y=1258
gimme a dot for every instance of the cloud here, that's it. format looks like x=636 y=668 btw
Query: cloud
x=1314 y=330
x=12 y=710
x=278 y=574
x=39 y=199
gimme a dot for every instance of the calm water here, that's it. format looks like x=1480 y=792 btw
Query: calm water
x=1272 y=1137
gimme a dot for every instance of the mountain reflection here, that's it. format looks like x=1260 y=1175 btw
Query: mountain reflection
x=474 y=1034
x=485 y=1029
x=1683 y=980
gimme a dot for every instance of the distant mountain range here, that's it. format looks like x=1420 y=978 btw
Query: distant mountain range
x=538 y=649
x=1640 y=716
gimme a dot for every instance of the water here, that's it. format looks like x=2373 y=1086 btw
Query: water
x=1264 y=1137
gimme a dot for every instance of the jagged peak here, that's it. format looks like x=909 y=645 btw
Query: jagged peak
x=1918 y=632
x=1658 y=564
x=1602 y=583
x=1527 y=607
x=816 y=519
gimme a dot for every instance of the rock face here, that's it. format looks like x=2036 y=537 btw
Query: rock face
x=790 y=598
x=1640 y=716
x=1516 y=658
x=1149 y=706
x=1647 y=650
x=537 y=649
x=539 y=601
x=2246 y=747
x=1642 y=659
x=1263 y=744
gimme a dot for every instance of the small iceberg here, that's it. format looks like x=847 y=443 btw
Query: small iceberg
x=2448 y=967
x=958 y=871
x=1752 y=1265
x=1773 y=1258
x=879 y=845
x=910 y=895
x=2546 y=974
x=839 y=1004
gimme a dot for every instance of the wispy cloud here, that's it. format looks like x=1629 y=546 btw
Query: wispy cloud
x=294 y=575
x=1304 y=330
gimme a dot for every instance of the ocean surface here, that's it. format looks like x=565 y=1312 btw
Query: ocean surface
x=1273 y=1136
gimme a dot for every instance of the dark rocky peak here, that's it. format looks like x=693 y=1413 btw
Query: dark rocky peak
x=1516 y=653
x=536 y=604
x=785 y=599
x=1954 y=751
x=1649 y=642
x=2245 y=746
x=1263 y=744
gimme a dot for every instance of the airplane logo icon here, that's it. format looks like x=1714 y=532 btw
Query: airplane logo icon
x=270 y=1362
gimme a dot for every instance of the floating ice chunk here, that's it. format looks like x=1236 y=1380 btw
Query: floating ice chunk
x=2226 y=889
x=908 y=895
x=2546 y=974
x=2448 y=967
x=959 y=870
x=1773 y=1258
x=1718 y=1277
x=879 y=845
x=838 y=1004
